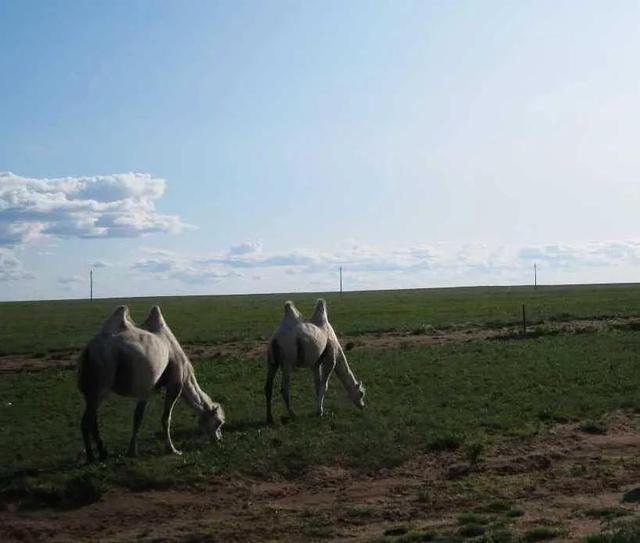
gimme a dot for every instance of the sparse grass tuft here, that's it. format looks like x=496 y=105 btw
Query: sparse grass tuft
x=624 y=532
x=473 y=452
x=543 y=533
x=471 y=518
x=606 y=513
x=594 y=427
x=446 y=443
x=471 y=530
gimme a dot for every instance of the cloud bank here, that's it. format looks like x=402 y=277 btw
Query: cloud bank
x=105 y=206
x=118 y=205
x=443 y=262
x=11 y=268
x=169 y=265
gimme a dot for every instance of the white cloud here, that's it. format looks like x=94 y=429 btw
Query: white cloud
x=71 y=280
x=169 y=265
x=118 y=205
x=443 y=263
x=591 y=254
x=247 y=247
x=11 y=268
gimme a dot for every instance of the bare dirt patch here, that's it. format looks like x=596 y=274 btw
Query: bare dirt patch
x=426 y=336
x=565 y=480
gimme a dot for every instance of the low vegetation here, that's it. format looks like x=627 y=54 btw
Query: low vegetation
x=419 y=399
x=40 y=327
x=455 y=400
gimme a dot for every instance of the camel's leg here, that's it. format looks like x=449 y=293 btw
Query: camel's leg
x=321 y=375
x=89 y=426
x=137 y=420
x=272 y=369
x=102 y=452
x=317 y=383
x=86 y=427
x=170 y=399
x=284 y=389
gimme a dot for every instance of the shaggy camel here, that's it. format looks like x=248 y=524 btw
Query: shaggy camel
x=300 y=343
x=133 y=361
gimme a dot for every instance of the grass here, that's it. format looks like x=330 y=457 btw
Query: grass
x=625 y=532
x=419 y=399
x=42 y=327
x=460 y=396
x=542 y=533
x=471 y=530
x=595 y=427
x=606 y=513
x=407 y=536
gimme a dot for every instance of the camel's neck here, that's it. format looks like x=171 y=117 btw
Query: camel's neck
x=193 y=394
x=344 y=373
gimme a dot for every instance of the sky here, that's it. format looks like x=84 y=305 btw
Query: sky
x=218 y=147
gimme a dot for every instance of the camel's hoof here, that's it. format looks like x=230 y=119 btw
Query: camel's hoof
x=103 y=456
x=270 y=421
x=132 y=453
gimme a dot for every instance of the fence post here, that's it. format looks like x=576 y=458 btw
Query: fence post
x=524 y=321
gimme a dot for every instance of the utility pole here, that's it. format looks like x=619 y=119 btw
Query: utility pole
x=91 y=285
x=340 y=280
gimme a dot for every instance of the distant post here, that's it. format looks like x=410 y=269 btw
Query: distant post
x=535 y=277
x=91 y=285
x=340 y=280
x=524 y=321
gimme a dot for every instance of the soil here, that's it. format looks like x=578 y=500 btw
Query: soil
x=562 y=479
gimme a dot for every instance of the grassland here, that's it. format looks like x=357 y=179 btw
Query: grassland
x=462 y=397
x=28 y=327
x=418 y=399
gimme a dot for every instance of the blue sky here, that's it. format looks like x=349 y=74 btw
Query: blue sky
x=215 y=147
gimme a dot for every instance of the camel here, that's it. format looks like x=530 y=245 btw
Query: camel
x=134 y=361
x=313 y=344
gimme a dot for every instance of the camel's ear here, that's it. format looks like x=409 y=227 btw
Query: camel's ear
x=291 y=311
x=118 y=321
x=320 y=313
x=155 y=321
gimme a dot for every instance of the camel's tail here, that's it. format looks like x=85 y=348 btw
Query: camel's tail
x=355 y=388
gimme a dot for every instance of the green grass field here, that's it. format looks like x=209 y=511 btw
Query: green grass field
x=28 y=327
x=461 y=396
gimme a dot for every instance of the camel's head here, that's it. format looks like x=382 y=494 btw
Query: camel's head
x=357 y=395
x=211 y=421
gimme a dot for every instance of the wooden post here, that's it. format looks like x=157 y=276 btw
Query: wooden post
x=535 y=277
x=91 y=285
x=340 y=280
x=524 y=321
